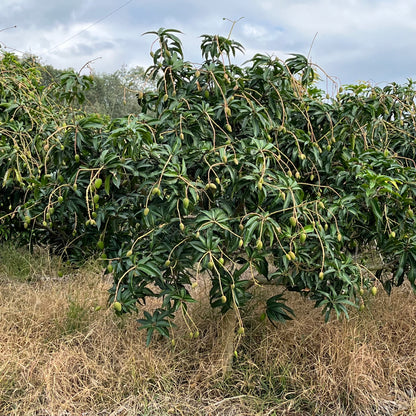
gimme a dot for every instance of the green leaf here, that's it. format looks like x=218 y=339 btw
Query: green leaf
x=277 y=310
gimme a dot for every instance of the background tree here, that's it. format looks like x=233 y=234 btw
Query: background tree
x=110 y=94
x=115 y=94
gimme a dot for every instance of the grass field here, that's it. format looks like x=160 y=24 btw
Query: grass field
x=62 y=352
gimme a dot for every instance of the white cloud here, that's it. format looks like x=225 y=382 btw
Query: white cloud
x=254 y=31
x=355 y=39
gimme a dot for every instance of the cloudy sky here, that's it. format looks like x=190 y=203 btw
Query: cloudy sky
x=352 y=40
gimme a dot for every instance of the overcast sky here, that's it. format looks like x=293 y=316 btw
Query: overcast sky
x=352 y=40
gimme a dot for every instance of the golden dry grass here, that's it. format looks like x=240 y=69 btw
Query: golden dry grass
x=61 y=356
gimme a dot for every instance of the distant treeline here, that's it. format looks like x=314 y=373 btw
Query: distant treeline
x=111 y=94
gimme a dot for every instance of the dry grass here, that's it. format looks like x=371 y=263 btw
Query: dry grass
x=61 y=356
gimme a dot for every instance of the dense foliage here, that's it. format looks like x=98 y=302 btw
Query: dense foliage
x=239 y=175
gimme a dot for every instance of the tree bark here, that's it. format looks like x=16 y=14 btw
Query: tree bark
x=227 y=341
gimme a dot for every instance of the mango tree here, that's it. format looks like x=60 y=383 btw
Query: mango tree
x=241 y=175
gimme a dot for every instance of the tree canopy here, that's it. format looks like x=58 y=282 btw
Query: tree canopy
x=239 y=175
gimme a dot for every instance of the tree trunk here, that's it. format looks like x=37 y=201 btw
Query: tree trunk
x=226 y=341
